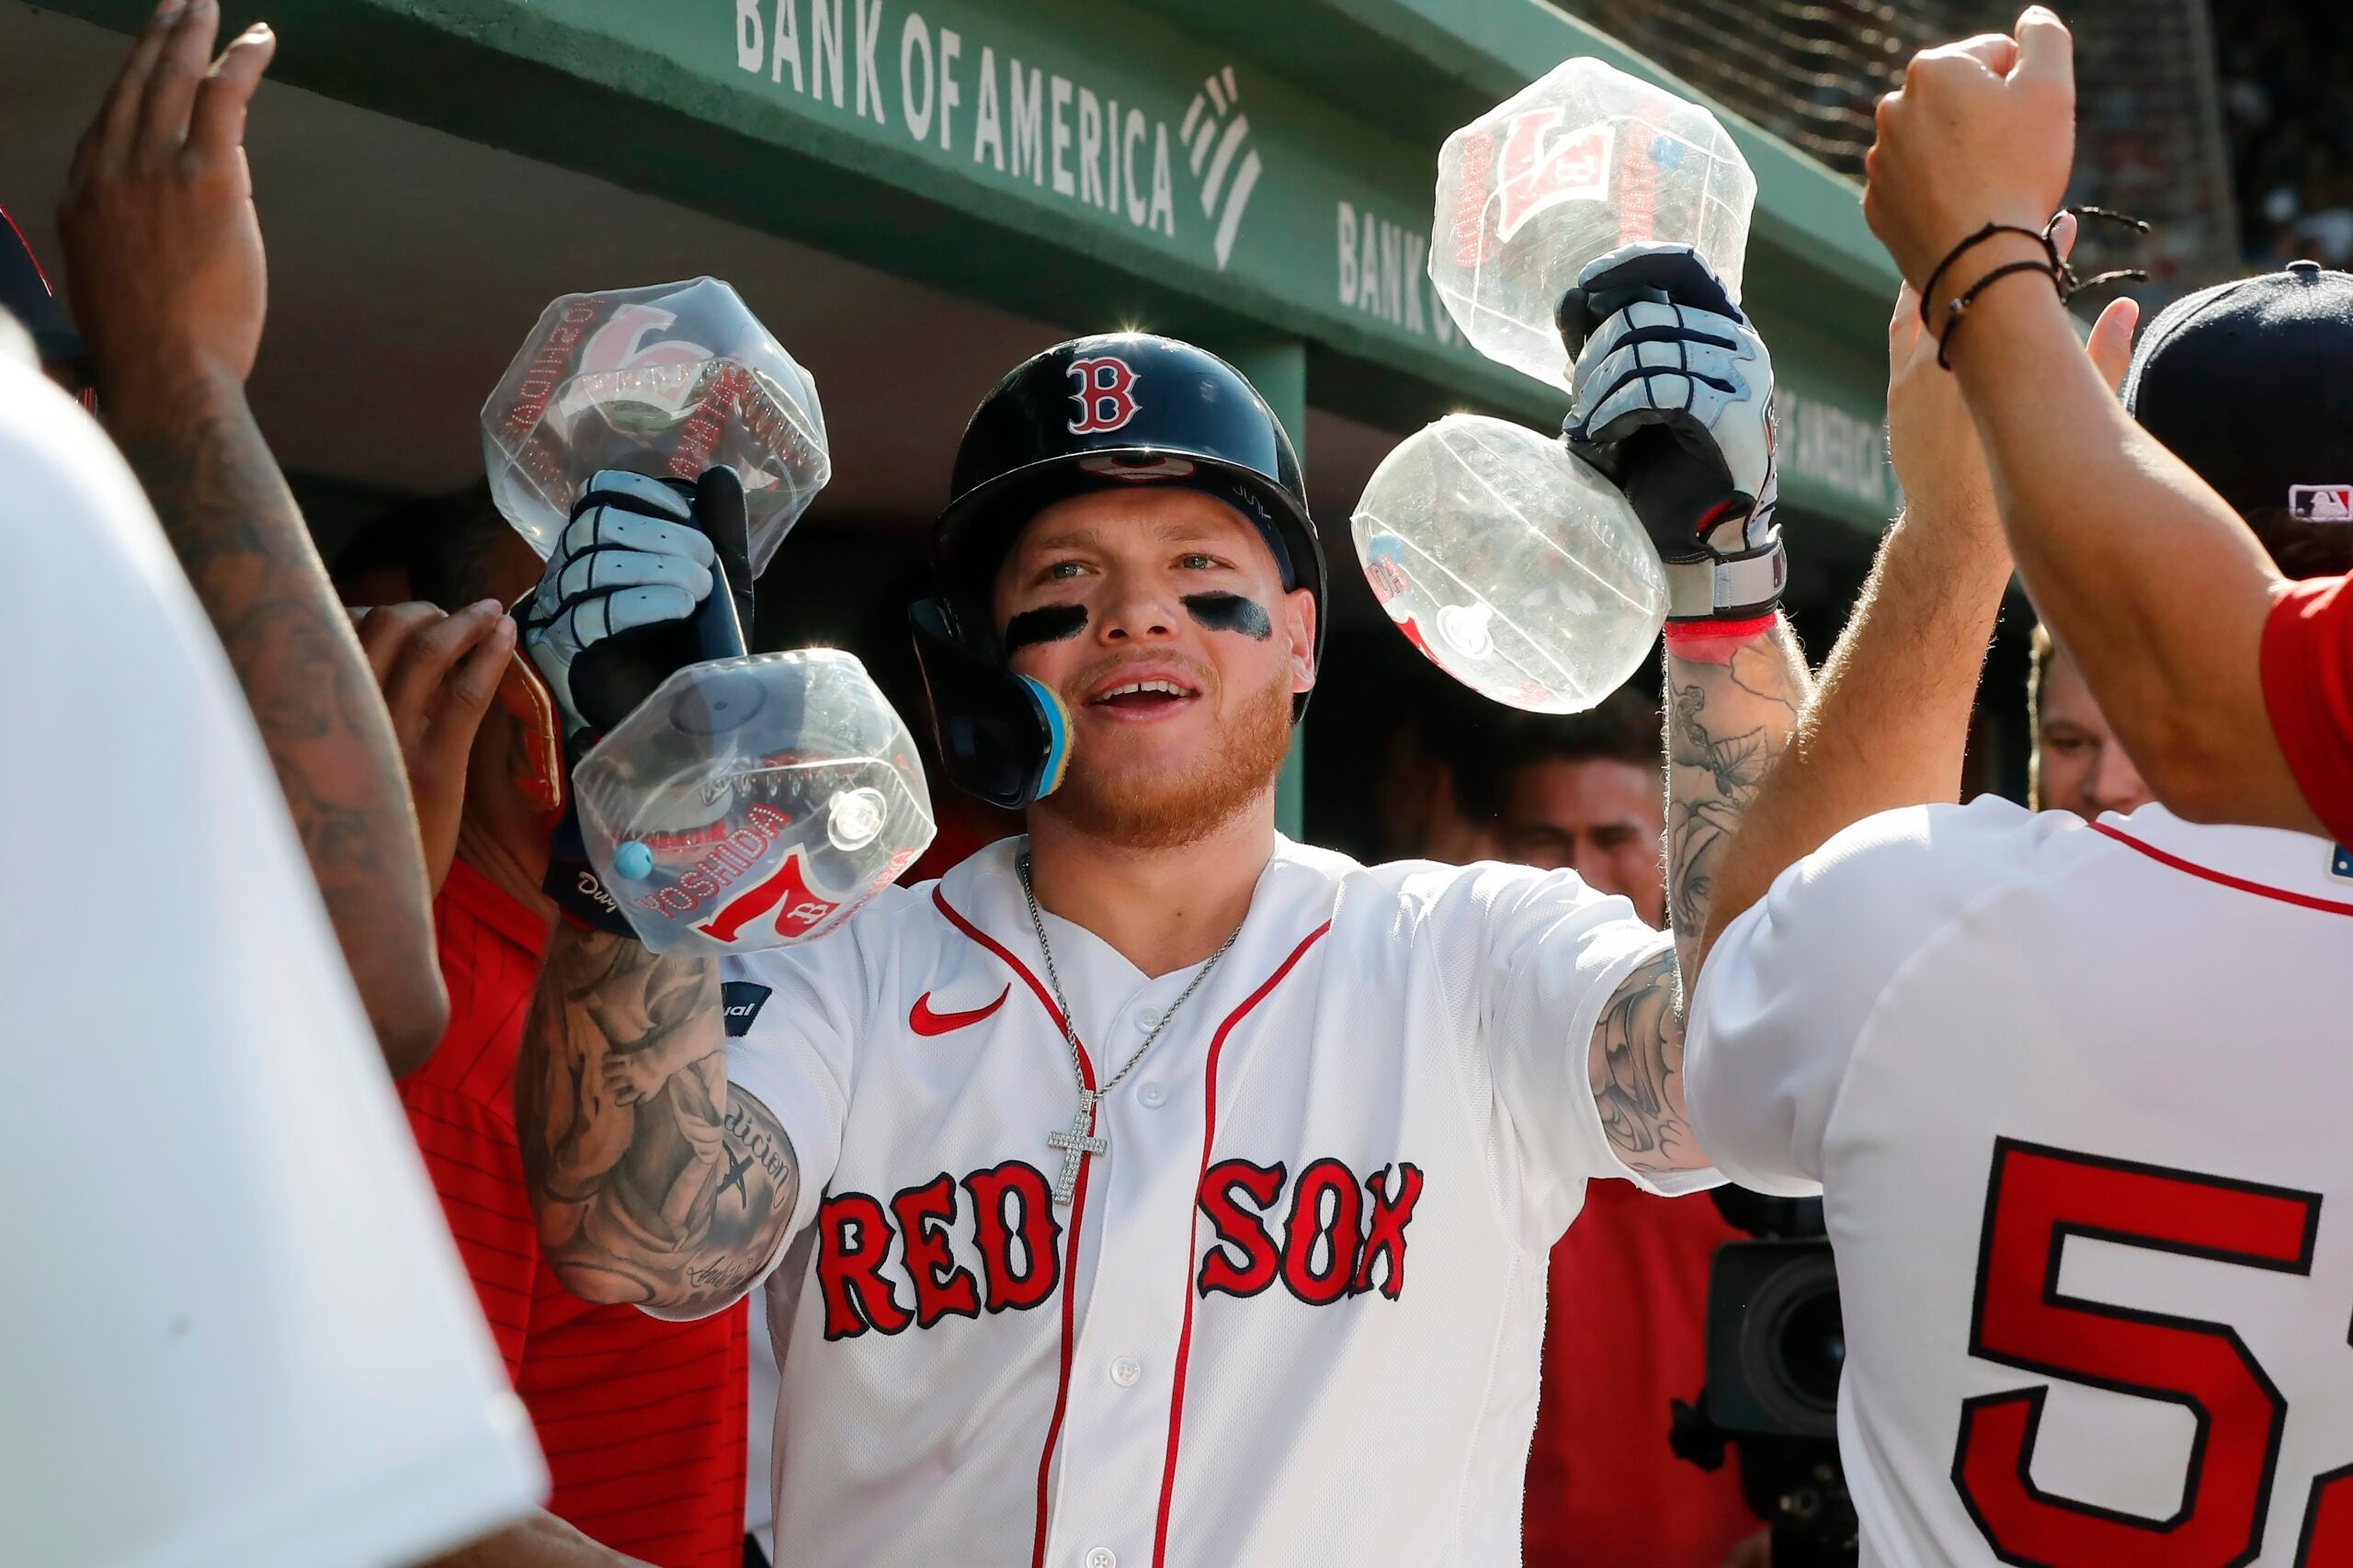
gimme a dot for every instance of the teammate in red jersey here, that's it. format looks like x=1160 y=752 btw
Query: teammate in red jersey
x=643 y=1421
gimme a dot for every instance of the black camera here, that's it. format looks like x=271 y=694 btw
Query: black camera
x=1776 y=1346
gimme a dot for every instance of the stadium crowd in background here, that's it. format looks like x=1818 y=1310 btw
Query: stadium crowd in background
x=413 y=769
x=2287 y=84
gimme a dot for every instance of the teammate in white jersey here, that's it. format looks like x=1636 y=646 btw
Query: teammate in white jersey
x=2074 y=1093
x=1153 y=1189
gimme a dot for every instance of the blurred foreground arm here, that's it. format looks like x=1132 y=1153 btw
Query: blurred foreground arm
x=164 y=257
x=2153 y=582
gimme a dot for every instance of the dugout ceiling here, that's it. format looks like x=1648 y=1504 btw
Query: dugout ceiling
x=952 y=183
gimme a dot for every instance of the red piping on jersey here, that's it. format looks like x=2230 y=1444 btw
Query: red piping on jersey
x=1208 y=1135
x=1077 y=1211
x=2261 y=889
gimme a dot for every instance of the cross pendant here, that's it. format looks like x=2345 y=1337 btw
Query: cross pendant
x=1075 y=1146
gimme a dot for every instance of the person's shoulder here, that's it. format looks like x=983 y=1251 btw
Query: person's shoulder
x=1988 y=835
x=1914 y=868
x=1486 y=882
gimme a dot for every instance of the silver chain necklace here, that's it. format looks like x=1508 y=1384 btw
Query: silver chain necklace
x=1078 y=1143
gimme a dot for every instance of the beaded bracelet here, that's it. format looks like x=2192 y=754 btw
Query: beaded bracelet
x=2063 y=277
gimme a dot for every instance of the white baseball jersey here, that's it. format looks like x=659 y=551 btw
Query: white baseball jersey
x=2077 y=1097
x=1293 y=1315
x=236 y=1329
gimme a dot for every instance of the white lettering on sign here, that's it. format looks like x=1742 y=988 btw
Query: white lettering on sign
x=1028 y=125
x=869 y=79
x=1822 y=442
x=1059 y=133
x=1382 y=269
x=988 y=129
x=824 y=46
x=915 y=36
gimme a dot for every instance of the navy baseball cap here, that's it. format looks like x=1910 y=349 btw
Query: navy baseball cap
x=2251 y=384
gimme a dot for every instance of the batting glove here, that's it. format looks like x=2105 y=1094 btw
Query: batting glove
x=1672 y=399
x=630 y=557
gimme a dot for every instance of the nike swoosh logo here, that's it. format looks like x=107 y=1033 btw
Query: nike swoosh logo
x=923 y=1021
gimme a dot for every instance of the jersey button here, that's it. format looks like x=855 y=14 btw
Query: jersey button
x=1152 y=1095
x=1147 y=1020
x=1102 y=1557
x=1126 y=1370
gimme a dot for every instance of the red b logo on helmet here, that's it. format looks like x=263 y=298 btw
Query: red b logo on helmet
x=1106 y=394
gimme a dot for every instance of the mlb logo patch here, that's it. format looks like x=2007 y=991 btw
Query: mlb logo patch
x=2340 y=863
x=2321 y=503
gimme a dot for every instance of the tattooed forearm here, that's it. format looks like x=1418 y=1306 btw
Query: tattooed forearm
x=241 y=540
x=1726 y=723
x=1731 y=708
x=1638 y=1072
x=654 y=1180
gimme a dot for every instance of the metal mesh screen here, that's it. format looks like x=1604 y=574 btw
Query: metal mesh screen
x=2149 y=123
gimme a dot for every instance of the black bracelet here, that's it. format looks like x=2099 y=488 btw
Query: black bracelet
x=1961 y=305
x=2063 y=275
x=2042 y=237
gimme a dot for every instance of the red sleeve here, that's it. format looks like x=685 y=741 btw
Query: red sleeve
x=477 y=1170
x=2308 y=689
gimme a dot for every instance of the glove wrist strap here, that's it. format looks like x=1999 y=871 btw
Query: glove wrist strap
x=570 y=881
x=1727 y=587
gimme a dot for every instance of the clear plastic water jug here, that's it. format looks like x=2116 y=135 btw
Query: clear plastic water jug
x=752 y=802
x=1511 y=564
x=1578 y=163
x=672 y=380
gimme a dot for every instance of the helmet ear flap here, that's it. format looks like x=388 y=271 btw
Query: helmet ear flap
x=1002 y=737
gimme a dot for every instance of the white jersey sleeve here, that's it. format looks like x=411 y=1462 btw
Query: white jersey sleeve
x=1531 y=960
x=1789 y=987
x=236 y=1329
x=795 y=1018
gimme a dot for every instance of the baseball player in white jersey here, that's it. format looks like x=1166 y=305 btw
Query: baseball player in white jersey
x=1153 y=1189
x=2074 y=1093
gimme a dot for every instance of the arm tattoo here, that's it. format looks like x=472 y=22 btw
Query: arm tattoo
x=1638 y=1070
x=1725 y=724
x=654 y=1180
x=241 y=539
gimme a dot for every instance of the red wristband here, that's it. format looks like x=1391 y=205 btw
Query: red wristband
x=1715 y=641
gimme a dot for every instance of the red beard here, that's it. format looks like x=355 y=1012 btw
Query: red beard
x=1181 y=806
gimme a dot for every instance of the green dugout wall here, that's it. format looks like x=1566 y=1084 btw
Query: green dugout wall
x=1248 y=172
x=1256 y=175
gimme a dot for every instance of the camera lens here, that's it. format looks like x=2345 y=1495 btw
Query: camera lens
x=1813 y=1347
x=1794 y=1344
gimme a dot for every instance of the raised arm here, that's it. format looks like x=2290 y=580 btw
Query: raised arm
x=1673 y=401
x=2155 y=585
x=1731 y=704
x=652 y=1179
x=165 y=262
x=1889 y=720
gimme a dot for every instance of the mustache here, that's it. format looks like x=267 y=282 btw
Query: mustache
x=1073 y=690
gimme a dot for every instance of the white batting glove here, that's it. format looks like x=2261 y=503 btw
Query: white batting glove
x=1673 y=401
x=630 y=557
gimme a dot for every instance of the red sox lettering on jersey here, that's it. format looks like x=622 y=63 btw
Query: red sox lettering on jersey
x=887 y=1266
x=1312 y=1220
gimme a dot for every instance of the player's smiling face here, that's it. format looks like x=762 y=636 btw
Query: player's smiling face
x=1159 y=616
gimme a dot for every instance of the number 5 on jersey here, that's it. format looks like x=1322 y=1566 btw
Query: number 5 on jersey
x=2035 y=1198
